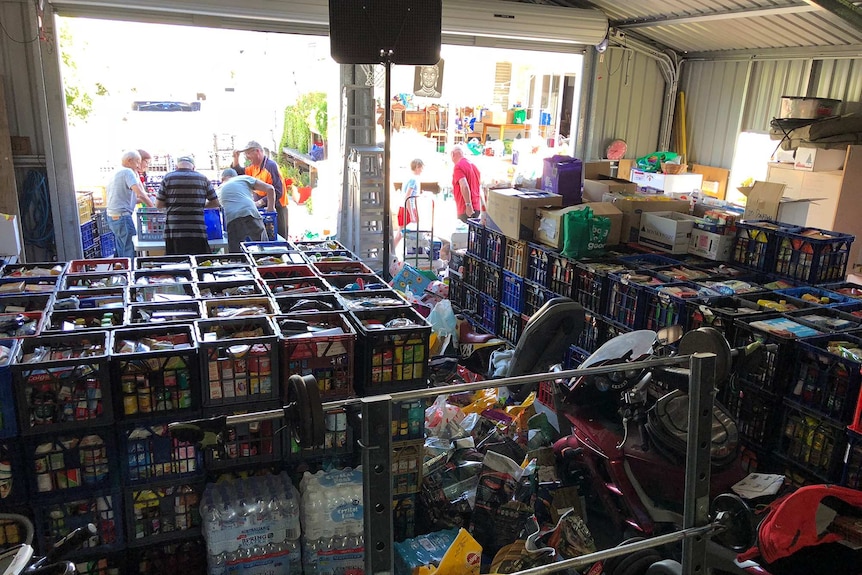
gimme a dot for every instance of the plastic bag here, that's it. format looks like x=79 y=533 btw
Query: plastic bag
x=497 y=514
x=463 y=557
x=584 y=233
x=443 y=325
x=442 y=419
x=653 y=162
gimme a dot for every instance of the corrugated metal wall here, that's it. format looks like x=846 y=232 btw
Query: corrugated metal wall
x=835 y=78
x=627 y=101
x=770 y=80
x=714 y=98
x=16 y=62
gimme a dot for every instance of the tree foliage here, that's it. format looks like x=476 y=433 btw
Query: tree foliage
x=307 y=114
x=79 y=95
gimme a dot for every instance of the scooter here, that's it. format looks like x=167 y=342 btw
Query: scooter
x=624 y=434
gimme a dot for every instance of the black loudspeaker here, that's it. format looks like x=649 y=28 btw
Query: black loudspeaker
x=360 y=29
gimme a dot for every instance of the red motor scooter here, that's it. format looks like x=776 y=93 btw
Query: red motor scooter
x=624 y=433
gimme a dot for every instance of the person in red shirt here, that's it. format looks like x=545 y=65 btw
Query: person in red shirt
x=466 y=185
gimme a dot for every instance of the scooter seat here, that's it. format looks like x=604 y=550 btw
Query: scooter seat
x=667 y=424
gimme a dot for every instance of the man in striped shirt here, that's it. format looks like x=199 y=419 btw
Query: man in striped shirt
x=184 y=193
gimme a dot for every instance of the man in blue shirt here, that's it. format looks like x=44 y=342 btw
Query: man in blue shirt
x=241 y=216
x=124 y=190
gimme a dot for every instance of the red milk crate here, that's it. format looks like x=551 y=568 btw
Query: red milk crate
x=62 y=382
x=515 y=259
x=325 y=348
x=83 y=282
x=812 y=255
x=162 y=512
x=99 y=266
x=162 y=380
x=239 y=361
x=148 y=452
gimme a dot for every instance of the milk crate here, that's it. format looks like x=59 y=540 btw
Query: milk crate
x=756 y=244
x=162 y=511
x=592 y=284
x=156 y=370
x=683 y=273
x=100 y=266
x=280 y=259
x=239 y=361
x=511 y=324
x=14 y=476
x=329 y=357
x=104 y=298
x=575 y=356
x=326 y=302
x=180 y=556
x=24 y=303
x=83 y=320
x=515 y=259
x=812 y=255
x=648 y=261
x=318 y=246
x=495 y=247
x=775 y=370
x=84 y=282
x=513 y=292
x=358 y=282
x=828 y=319
x=8 y=419
x=756 y=412
x=292 y=271
x=86 y=211
x=242 y=306
x=22 y=324
x=475 y=238
x=150 y=224
x=351 y=267
x=390 y=358
x=163 y=263
x=62 y=382
x=456 y=290
x=33 y=270
x=270 y=224
x=594 y=333
x=561 y=275
x=54 y=519
x=231 y=289
x=812 y=443
x=473 y=268
x=538 y=264
x=771 y=302
x=666 y=305
x=94 y=251
x=338 y=440
x=819 y=296
x=492 y=280
x=182 y=291
x=89 y=234
x=471 y=301
x=719 y=313
x=225 y=273
x=149 y=314
x=535 y=296
x=108 y=563
x=296 y=286
x=339 y=255
x=268 y=247
x=108 y=245
x=71 y=463
x=826 y=376
x=12 y=286
x=148 y=452
x=848 y=289
x=406 y=470
x=627 y=296
x=489 y=313
x=851 y=475
x=245 y=445
x=404 y=517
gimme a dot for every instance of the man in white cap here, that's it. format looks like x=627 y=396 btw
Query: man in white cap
x=266 y=170
x=184 y=193
x=241 y=216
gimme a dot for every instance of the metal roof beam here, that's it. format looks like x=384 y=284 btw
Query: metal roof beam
x=809 y=6
x=844 y=9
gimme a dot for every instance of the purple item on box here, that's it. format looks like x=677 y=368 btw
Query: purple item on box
x=562 y=175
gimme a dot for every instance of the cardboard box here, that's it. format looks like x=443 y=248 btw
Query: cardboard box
x=633 y=206
x=668 y=183
x=596 y=188
x=666 y=231
x=10 y=236
x=710 y=245
x=562 y=175
x=592 y=170
x=548 y=228
x=625 y=167
x=819 y=159
x=497 y=117
x=513 y=212
x=765 y=201
x=714 y=180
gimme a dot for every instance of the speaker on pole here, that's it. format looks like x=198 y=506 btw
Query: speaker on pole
x=364 y=31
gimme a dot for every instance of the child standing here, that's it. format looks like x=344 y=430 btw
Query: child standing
x=412 y=189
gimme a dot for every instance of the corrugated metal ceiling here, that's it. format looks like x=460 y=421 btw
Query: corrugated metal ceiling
x=727 y=26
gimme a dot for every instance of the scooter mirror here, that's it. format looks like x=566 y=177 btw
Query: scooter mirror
x=669 y=335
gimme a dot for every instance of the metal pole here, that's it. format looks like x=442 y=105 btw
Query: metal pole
x=697 y=458
x=387 y=143
x=377 y=484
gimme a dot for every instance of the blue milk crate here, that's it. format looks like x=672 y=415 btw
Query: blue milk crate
x=270 y=224
x=827 y=298
x=108 y=245
x=756 y=243
x=89 y=233
x=575 y=356
x=513 y=292
x=214 y=223
x=489 y=313
x=812 y=255
x=9 y=423
x=538 y=264
x=824 y=379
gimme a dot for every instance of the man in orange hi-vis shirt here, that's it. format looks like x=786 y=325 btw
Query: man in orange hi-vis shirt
x=266 y=170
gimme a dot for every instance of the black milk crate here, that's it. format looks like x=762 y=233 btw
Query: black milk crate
x=147 y=314
x=370 y=300
x=575 y=356
x=773 y=302
x=390 y=358
x=475 y=238
x=328 y=357
x=71 y=463
x=666 y=305
x=23 y=303
x=238 y=307
x=592 y=284
x=824 y=379
x=162 y=511
x=494 y=250
x=627 y=296
x=814 y=444
x=538 y=264
x=83 y=320
x=12 y=286
x=314 y=256
x=471 y=301
x=63 y=382
x=812 y=255
x=593 y=334
x=8 y=416
x=535 y=296
x=91 y=298
x=515 y=258
x=232 y=289
x=492 y=280
x=719 y=270
x=511 y=324
x=473 y=268
x=404 y=517
x=756 y=244
x=14 y=475
x=851 y=475
x=109 y=563
x=648 y=261
x=148 y=452
x=224 y=273
x=318 y=246
x=84 y=282
x=338 y=440
x=163 y=293
x=774 y=372
x=406 y=470
x=33 y=270
x=160 y=277
x=358 y=282
x=513 y=292
x=205 y=262
x=489 y=313
x=408 y=419
x=613 y=329
x=335 y=268
x=183 y=556
x=755 y=411
x=456 y=290
x=268 y=247
x=322 y=302
x=56 y=518
x=108 y=244
x=164 y=263
x=296 y=286
x=827 y=319
x=99 y=266
x=293 y=271
x=239 y=361
x=825 y=297
x=245 y=445
x=158 y=381
x=720 y=313
x=561 y=275
x=683 y=273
